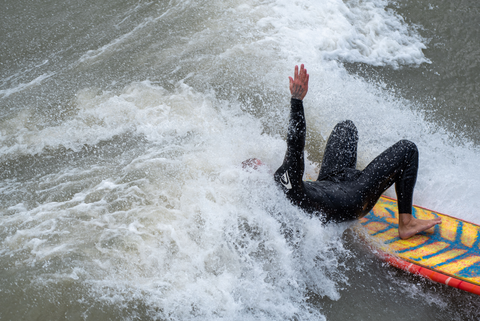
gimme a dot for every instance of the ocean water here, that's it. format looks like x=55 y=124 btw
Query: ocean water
x=123 y=125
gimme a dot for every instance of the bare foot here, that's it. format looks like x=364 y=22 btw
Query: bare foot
x=408 y=225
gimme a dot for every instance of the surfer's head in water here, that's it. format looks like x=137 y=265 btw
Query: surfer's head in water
x=254 y=163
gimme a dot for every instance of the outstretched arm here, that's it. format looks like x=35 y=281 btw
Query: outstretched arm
x=297 y=127
x=291 y=172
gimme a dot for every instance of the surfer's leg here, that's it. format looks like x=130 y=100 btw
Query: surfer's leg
x=341 y=149
x=399 y=165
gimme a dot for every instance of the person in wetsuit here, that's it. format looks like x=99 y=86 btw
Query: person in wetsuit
x=341 y=192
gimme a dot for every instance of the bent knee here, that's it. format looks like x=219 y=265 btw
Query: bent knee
x=405 y=143
x=410 y=149
x=347 y=125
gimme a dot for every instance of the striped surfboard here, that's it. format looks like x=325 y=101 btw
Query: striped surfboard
x=448 y=253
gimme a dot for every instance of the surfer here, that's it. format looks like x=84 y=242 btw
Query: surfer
x=341 y=192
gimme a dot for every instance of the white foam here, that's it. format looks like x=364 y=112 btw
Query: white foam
x=140 y=108
x=352 y=31
x=191 y=227
x=4 y=93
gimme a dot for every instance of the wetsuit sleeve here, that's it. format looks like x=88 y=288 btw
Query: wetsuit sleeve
x=289 y=175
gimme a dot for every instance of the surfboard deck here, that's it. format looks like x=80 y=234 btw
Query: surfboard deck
x=448 y=253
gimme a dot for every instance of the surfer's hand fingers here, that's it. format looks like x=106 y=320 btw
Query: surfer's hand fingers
x=299 y=84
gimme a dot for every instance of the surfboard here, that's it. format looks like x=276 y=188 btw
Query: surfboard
x=448 y=253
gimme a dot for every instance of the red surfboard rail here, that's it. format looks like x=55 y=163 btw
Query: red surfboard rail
x=429 y=274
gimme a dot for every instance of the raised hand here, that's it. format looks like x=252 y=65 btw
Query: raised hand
x=299 y=83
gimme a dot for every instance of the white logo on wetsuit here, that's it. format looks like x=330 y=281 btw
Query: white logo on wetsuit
x=285 y=180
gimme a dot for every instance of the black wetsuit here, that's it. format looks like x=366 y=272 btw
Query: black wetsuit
x=342 y=192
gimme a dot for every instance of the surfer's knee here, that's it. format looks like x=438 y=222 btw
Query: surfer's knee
x=410 y=150
x=409 y=146
x=347 y=126
x=406 y=145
